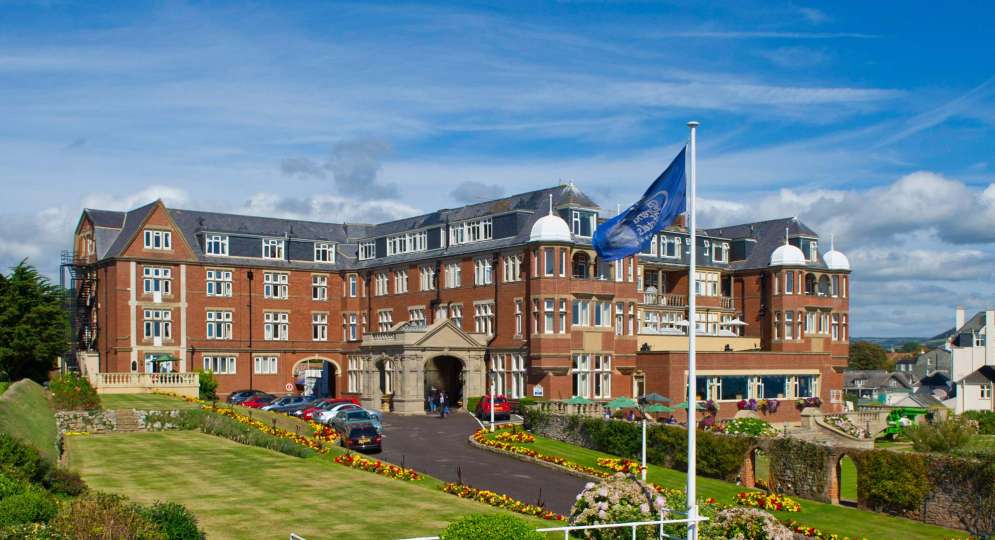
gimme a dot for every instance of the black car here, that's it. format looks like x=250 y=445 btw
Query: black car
x=239 y=396
x=360 y=437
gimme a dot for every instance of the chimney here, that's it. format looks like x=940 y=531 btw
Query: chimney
x=680 y=220
x=959 y=319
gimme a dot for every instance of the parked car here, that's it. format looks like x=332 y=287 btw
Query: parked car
x=244 y=395
x=325 y=417
x=258 y=402
x=502 y=408
x=360 y=436
x=284 y=403
x=291 y=410
x=308 y=413
x=350 y=416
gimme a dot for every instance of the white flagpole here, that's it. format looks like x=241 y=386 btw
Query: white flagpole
x=692 y=496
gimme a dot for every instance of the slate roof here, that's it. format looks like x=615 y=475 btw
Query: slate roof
x=769 y=235
x=874 y=379
x=105 y=218
x=983 y=375
x=974 y=324
x=133 y=219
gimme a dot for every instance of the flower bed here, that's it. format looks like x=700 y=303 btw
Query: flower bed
x=514 y=437
x=319 y=442
x=767 y=501
x=844 y=424
x=481 y=437
x=627 y=466
x=376 y=466
x=812 y=532
x=498 y=500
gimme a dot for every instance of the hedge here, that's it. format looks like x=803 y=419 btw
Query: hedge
x=891 y=481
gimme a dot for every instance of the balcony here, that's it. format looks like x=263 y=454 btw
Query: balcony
x=182 y=383
x=681 y=300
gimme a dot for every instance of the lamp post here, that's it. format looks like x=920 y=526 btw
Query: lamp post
x=493 y=377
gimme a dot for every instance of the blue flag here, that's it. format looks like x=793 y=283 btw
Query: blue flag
x=632 y=231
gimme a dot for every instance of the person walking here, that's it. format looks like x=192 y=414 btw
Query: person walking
x=443 y=404
x=431 y=400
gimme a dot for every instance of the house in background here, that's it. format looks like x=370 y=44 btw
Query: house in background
x=972 y=361
x=974 y=392
x=877 y=385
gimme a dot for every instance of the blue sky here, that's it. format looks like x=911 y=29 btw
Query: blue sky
x=868 y=121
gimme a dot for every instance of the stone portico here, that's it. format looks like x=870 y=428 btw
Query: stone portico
x=396 y=368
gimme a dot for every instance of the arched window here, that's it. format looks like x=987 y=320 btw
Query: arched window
x=581 y=264
x=809 y=284
x=824 y=286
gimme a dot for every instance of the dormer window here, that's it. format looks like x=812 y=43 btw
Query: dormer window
x=367 y=250
x=324 y=252
x=670 y=247
x=582 y=223
x=273 y=248
x=813 y=250
x=158 y=239
x=216 y=244
x=467 y=232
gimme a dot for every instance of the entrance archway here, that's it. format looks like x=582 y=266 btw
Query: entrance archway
x=755 y=472
x=316 y=377
x=445 y=373
x=845 y=477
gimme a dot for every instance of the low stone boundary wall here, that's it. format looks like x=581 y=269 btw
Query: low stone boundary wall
x=110 y=421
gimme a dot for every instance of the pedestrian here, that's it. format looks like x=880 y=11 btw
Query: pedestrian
x=431 y=400
x=443 y=406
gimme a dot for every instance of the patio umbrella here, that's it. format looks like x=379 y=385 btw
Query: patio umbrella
x=657 y=408
x=653 y=397
x=577 y=400
x=734 y=322
x=684 y=405
x=622 y=403
x=161 y=358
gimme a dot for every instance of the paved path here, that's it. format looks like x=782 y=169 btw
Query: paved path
x=436 y=447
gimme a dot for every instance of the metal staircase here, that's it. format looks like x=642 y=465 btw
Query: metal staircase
x=79 y=285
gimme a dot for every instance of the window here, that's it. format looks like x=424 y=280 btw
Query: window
x=563 y=316
x=581 y=371
x=158 y=239
x=410 y=242
x=619 y=266
x=706 y=284
x=707 y=323
x=497 y=374
x=482 y=272
x=264 y=365
x=324 y=252
x=789 y=283
x=836 y=286
x=777 y=324
x=549 y=260
x=483 y=318
x=632 y=318
x=619 y=319
x=535 y=316
x=276 y=285
x=777 y=284
x=813 y=250
x=218 y=282
x=549 y=316
x=720 y=252
x=384 y=320
x=381 y=283
x=319 y=287
x=518 y=317
x=517 y=376
x=788 y=325
x=367 y=250
x=319 y=327
x=354 y=375
x=670 y=247
x=986 y=392
x=512 y=268
x=349 y=331
x=156 y=279
x=158 y=323
x=580 y=265
x=651 y=247
x=810 y=324
x=603 y=314
x=563 y=263
x=216 y=244
x=582 y=223
x=427 y=278
x=220 y=365
x=219 y=324
x=416 y=316
x=456 y=314
x=353 y=284
x=400 y=281
x=467 y=232
x=272 y=248
x=276 y=326
x=581 y=313
x=453 y=275
x=602 y=376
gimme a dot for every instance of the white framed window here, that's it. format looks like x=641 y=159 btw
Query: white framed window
x=582 y=223
x=720 y=252
x=651 y=247
x=416 y=316
x=220 y=365
x=581 y=313
x=789 y=325
x=409 y=242
x=219 y=324
x=777 y=325
x=156 y=239
x=632 y=318
x=367 y=250
x=563 y=263
x=518 y=317
x=456 y=314
x=381 y=283
x=384 y=320
x=157 y=279
x=985 y=392
x=581 y=375
x=401 y=281
x=512 y=268
x=264 y=365
x=619 y=266
x=482 y=272
x=602 y=376
x=158 y=323
x=813 y=250
x=483 y=318
x=535 y=316
x=355 y=379
x=276 y=285
x=216 y=244
x=603 y=314
x=350 y=331
x=467 y=232
x=670 y=247
x=273 y=248
x=218 y=282
x=549 y=316
x=497 y=373
x=789 y=282
x=319 y=327
x=619 y=319
x=549 y=261
x=324 y=252
x=518 y=373
x=706 y=284
x=319 y=287
x=454 y=278
x=276 y=325
x=353 y=285
x=426 y=279
x=563 y=316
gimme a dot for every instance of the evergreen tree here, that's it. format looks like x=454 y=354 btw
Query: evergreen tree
x=33 y=324
x=867 y=355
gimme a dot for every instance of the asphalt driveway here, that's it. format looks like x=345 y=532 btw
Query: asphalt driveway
x=437 y=447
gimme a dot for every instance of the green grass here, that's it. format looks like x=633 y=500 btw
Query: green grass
x=26 y=414
x=3 y=386
x=841 y=520
x=239 y=491
x=161 y=402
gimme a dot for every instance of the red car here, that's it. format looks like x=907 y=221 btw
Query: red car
x=502 y=408
x=309 y=412
x=258 y=402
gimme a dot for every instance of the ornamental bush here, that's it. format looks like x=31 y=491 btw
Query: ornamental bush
x=33 y=505
x=941 y=436
x=174 y=520
x=208 y=385
x=97 y=516
x=892 y=481
x=221 y=426
x=745 y=524
x=985 y=420
x=10 y=486
x=71 y=392
x=490 y=527
x=618 y=499
x=21 y=461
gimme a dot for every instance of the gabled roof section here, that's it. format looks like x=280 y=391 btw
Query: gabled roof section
x=108 y=219
x=446 y=334
x=769 y=235
x=874 y=378
x=974 y=324
x=983 y=375
x=130 y=227
x=193 y=222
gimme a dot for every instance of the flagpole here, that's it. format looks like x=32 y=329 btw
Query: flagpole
x=692 y=501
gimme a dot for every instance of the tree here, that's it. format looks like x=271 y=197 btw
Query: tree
x=33 y=324
x=867 y=355
x=911 y=347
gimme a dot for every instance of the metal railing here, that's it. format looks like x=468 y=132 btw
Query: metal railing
x=634 y=525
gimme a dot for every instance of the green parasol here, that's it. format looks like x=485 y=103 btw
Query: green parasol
x=622 y=403
x=684 y=405
x=657 y=408
x=577 y=400
x=653 y=397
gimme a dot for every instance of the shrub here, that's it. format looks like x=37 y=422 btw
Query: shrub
x=490 y=527
x=70 y=392
x=10 y=486
x=985 y=420
x=750 y=426
x=941 y=436
x=33 y=505
x=21 y=461
x=745 y=523
x=208 y=385
x=31 y=531
x=616 y=500
x=66 y=482
x=892 y=481
x=174 y=520
x=99 y=516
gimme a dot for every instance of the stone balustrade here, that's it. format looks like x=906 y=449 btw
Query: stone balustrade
x=182 y=383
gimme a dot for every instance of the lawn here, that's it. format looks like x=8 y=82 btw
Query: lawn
x=240 y=491
x=841 y=520
x=159 y=402
x=26 y=414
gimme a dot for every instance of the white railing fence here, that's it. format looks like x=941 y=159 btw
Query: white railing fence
x=633 y=525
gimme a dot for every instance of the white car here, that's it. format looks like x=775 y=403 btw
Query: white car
x=325 y=417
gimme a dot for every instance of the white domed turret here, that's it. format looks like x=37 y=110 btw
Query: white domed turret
x=787 y=255
x=550 y=228
x=835 y=260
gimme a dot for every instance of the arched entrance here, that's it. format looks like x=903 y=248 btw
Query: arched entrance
x=445 y=373
x=755 y=472
x=316 y=377
x=845 y=478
